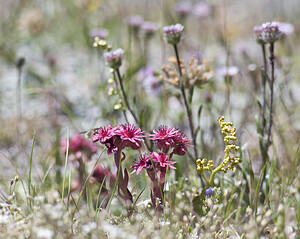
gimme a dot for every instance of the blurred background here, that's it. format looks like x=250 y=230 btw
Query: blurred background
x=52 y=80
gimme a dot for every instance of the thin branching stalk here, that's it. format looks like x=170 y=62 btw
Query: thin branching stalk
x=188 y=110
x=30 y=167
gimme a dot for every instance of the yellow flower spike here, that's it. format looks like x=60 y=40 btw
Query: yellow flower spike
x=229 y=162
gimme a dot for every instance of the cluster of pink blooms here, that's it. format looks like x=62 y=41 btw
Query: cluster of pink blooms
x=78 y=147
x=119 y=137
x=164 y=139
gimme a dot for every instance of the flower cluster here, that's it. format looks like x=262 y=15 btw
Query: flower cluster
x=200 y=9
x=182 y=8
x=173 y=33
x=229 y=162
x=100 y=33
x=229 y=135
x=137 y=24
x=114 y=58
x=119 y=137
x=268 y=32
x=197 y=74
x=166 y=138
x=78 y=146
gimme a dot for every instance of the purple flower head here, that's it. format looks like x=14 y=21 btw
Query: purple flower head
x=101 y=33
x=130 y=136
x=151 y=84
x=114 y=58
x=162 y=160
x=268 y=32
x=229 y=71
x=209 y=191
x=286 y=28
x=135 y=22
x=202 y=10
x=142 y=162
x=77 y=146
x=182 y=8
x=149 y=28
x=173 y=33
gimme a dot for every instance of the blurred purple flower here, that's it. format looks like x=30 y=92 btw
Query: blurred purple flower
x=201 y=10
x=135 y=22
x=101 y=33
x=114 y=58
x=182 y=8
x=173 y=33
x=229 y=71
x=151 y=84
x=149 y=28
x=286 y=28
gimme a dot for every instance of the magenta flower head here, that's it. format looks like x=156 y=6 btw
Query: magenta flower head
x=182 y=8
x=162 y=160
x=166 y=138
x=268 y=32
x=143 y=162
x=149 y=28
x=101 y=33
x=78 y=146
x=114 y=58
x=163 y=138
x=106 y=136
x=173 y=33
x=130 y=136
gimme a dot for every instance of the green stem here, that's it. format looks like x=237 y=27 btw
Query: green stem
x=188 y=110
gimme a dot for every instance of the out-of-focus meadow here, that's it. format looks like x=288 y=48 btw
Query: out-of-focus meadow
x=55 y=86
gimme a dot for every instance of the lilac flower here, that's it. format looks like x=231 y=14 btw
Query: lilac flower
x=149 y=28
x=135 y=22
x=182 y=8
x=114 y=58
x=229 y=71
x=201 y=10
x=101 y=33
x=268 y=32
x=286 y=28
x=173 y=33
x=151 y=84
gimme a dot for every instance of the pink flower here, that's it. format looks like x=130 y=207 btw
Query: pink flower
x=100 y=173
x=143 y=162
x=130 y=136
x=106 y=136
x=162 y=159
x=77 y=146
x=165 y=139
